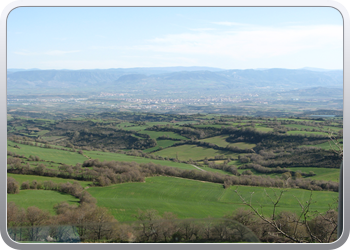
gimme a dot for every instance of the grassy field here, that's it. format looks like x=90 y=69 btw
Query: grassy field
x=306 y=133
x=327 y=174
x=216 y=170
x=106 y=156
x=186 y=152
x=325 y=145
x=196 y=199
x=263 y=129
x=48 y=154
x=160 y=143
x=156 y=134
x=221 y=142
x=21 y=178
x=43 y=199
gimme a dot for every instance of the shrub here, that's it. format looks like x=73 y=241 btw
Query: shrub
x=12 y=186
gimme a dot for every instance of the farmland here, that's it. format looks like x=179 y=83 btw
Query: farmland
x=190 y=168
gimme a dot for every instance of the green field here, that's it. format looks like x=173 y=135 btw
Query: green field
x=106 y=156
x=326 y=145
x=306 y=133
x=221 y=142
x=327 y=174
x=263 y=129
x=195 y=199
x=186 y=152
x=156 y=134
x=184 y=197
x=21 y=178
x=160 y=143
x=43 y=199
x=47 y=154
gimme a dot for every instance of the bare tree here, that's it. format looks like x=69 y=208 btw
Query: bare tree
x=299 y=228
x=36 y=219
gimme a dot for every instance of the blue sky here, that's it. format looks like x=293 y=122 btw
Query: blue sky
x=124 y=37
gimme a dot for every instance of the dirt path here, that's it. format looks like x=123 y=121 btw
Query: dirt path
x=199 y=168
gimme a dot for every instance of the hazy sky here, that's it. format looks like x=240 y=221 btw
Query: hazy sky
x=124 y=37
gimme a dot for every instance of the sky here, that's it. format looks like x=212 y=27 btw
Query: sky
x=221 y=37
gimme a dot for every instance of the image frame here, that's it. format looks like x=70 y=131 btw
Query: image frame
x=344 y=186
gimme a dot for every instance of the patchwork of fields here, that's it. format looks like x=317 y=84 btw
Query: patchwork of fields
x=225 y=149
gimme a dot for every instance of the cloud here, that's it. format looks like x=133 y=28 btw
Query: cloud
x=202 y=29
x=59 y=52
x=255 y=42
x=24 y=53
x=49 y=53
x=229 y=23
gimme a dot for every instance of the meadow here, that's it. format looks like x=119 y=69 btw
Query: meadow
x=195 y=199
x=186 y=152
x=43 y=199
x=187 y=198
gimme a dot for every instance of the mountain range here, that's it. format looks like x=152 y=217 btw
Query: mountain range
x=185 y=79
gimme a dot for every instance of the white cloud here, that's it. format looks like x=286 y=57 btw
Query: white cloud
x=59 y=52
x=49 y=53
x=257 y=42
x=229 y=23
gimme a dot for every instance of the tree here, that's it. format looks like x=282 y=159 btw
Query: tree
x=149 y=222
x=301 y=227
x=36 y=219
x=12 y=186
x=102 y=224
x=16 y=218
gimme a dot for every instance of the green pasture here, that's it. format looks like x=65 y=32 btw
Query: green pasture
x=194 y=152
x=215 y=170
x=306 y=133
x=135 y=127
x=326 y=174
x=211 y=126
x=195 y=199
x=263 y=129
x=298 y=126
x=47 y=154
x=42 y=132
x=326 y=145
x=43 y=199
x=106 y=156
x=52 y=138
x=221 y=142
x=160 y=143
x=334 y=129
x=47 y=164
x=22 y=178
x=156 y=134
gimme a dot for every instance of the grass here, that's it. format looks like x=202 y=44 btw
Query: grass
x=160 y=143
x=195 y=199
x=263 y=129
x=215 y=170
x=106 y=156
x=326 y=145
x=221 y=142
x=156 y=134
x=306 y=133
x=327 y=174
x=186 y=152
x=21 y=178
x=47 y=154
x=43 y=199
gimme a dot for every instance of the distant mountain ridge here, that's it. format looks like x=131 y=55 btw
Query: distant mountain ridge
x=173 y=78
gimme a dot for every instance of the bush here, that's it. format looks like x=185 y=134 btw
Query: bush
x=12 y=186
x=25 y=185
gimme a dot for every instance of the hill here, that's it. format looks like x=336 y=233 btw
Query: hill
x=182 y=79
